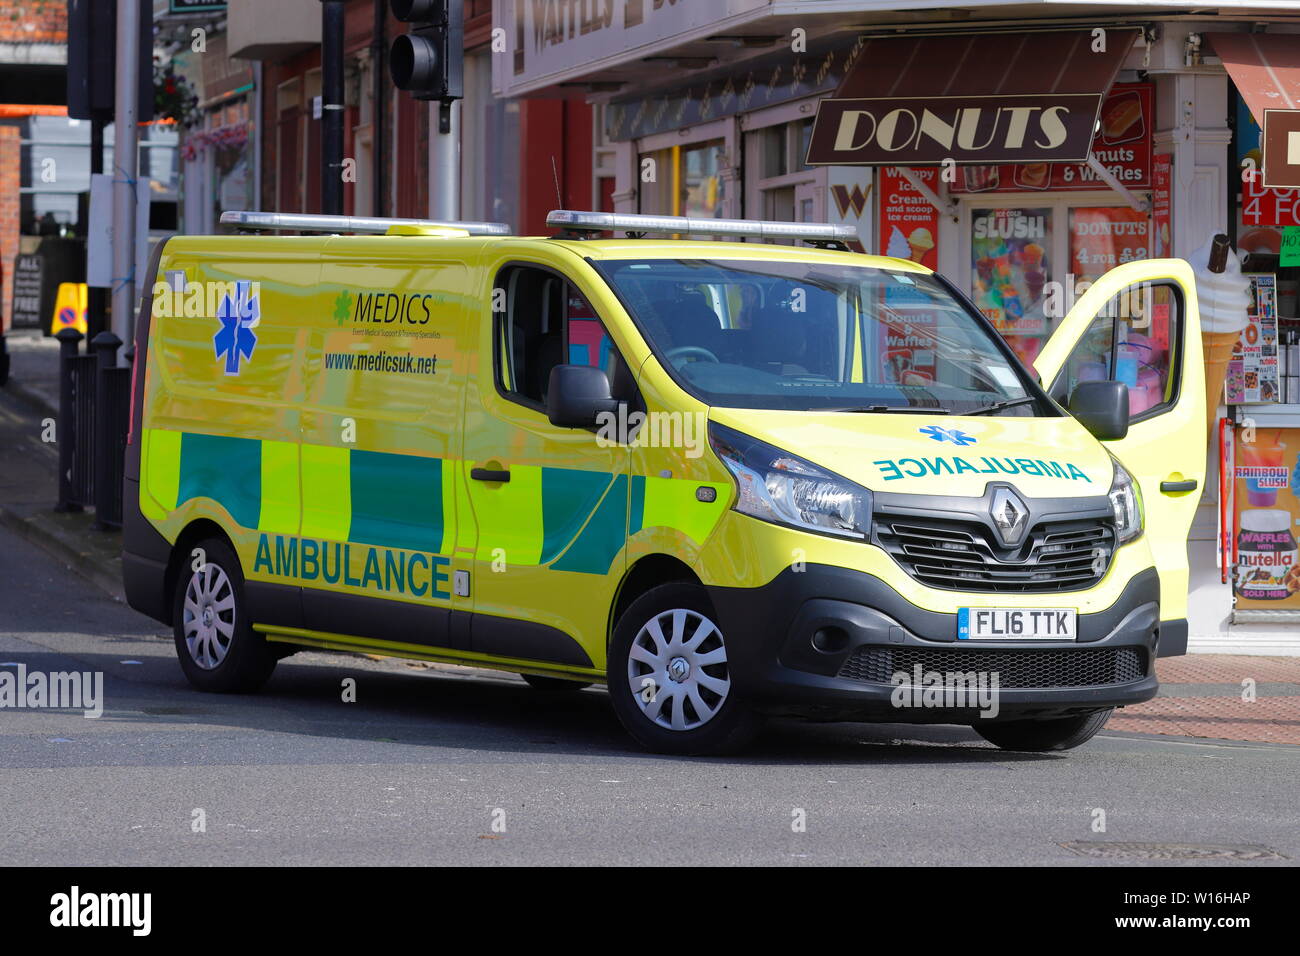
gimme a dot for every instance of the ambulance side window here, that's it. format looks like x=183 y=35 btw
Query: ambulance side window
x=545 y=321
x=1134 y=339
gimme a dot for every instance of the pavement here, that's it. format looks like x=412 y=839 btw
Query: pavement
x=1206 y=696
x=34 y=368
x=1221 y=696
x=29 y=465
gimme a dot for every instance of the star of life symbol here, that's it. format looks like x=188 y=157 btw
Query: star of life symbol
x=954 y=435
x=239 y=315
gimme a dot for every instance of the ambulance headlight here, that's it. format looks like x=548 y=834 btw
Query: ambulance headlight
x=1126 y=503
x=776 y=486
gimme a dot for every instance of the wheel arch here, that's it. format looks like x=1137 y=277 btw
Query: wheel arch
x=192 y=534
x=646 y=572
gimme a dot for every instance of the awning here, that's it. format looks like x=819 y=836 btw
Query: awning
x=1265 y=67
x=983 y=98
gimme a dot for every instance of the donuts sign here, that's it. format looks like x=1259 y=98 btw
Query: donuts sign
x=924 y=131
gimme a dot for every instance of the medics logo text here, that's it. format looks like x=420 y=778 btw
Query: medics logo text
x=385 y=308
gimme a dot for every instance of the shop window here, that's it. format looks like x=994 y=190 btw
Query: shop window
x=1135 y=339
x=784 y=188
x=687 y=181
x=783 y=148
x=547 y=322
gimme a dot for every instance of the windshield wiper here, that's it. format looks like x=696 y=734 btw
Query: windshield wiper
x=915 y=409
x=998 y=406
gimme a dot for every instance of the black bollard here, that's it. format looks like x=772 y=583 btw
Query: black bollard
x=105 y=345
x=65 y=433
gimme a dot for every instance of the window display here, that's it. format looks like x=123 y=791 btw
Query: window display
x=1011 y=264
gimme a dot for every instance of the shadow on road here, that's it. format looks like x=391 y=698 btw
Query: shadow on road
x=454 y=711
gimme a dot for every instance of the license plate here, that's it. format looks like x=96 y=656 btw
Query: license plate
x=1016 y=624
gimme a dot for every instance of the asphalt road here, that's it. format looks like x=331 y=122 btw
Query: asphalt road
x=417 y=770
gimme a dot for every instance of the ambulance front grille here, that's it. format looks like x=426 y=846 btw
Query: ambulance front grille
x=1028 y=668
x=961 y=555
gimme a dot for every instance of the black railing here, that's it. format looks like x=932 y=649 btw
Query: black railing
x=94 y=414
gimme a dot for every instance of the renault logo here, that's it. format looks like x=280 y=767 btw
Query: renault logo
x=1010 y=515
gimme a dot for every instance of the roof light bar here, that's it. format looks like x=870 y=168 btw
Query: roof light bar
x=305 y=222
x=751 y=228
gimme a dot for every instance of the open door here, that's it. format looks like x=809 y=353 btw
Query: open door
x=1139 y=324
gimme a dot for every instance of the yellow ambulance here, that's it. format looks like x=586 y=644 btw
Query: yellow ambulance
x=725 y=478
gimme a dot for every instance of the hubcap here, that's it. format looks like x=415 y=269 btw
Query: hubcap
x=208 y=616
x=677 y=669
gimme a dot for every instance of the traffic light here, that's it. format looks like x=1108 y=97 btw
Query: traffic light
x=428 y=62
x=92 y=59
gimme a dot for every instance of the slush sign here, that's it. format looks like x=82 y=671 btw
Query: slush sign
x=924 y=131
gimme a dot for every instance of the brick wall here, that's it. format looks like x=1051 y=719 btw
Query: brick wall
x=33 y=21
x=10 y=175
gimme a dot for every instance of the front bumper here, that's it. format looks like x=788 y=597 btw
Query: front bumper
x=825 y=642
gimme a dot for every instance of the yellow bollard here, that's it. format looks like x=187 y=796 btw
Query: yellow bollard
x=69 y=308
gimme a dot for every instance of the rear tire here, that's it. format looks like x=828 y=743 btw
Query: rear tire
x=218 y=649
x=1039 y=736
x=669 y=679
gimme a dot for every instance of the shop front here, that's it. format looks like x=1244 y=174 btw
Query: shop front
x=1259 y=435
x=1022 y=160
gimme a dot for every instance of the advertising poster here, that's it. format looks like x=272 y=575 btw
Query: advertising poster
x=1009 y=268
x=909 y=224
x=849 y=191
x=1122 y=144
x=1253 y=369
x=29 y=292
x=1265 y=574
x=1263 y=213
x=1104 y=237
x=1162 y=216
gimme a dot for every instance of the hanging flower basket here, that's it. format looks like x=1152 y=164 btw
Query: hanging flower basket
x=233 y=136
x=173 y=97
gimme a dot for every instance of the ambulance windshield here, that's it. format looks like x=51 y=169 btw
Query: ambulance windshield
x=807 y=336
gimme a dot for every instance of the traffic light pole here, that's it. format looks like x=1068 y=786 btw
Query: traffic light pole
x=444 y=161
x=96 y=300
x=126 y=169
x=331 y=179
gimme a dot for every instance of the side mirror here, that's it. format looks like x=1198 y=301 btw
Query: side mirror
x=576 y=394
x=1102 y=408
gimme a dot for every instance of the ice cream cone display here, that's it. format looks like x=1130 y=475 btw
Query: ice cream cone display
x=1223 y=295
x=919 y=243
x=898 y=246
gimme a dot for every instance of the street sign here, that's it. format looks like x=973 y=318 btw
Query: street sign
x=1280 y=143
x=195 y=6
x=99 y=236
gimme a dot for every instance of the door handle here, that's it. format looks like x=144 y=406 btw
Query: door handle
x=490 y=474
x=1170 y=487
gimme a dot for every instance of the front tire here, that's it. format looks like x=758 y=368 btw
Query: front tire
x=1040 y=736
x=218 y=649
x=669 y=679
